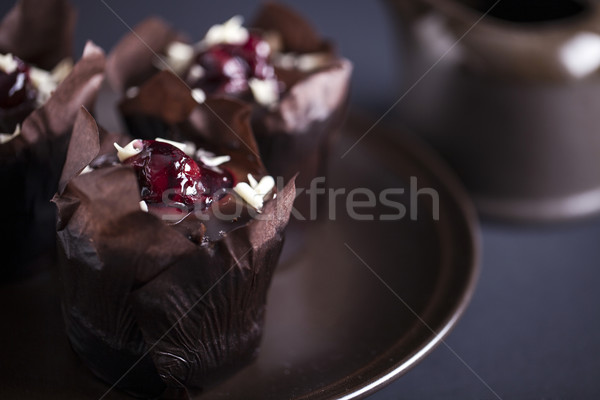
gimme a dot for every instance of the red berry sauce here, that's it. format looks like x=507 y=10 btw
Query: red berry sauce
x=167 y=176
x=228 y=67
x=17 y=97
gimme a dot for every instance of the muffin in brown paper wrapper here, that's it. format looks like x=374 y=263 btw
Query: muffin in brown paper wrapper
x=296 y=134
x=148 y=308
x=30 y=164
x=39 y=32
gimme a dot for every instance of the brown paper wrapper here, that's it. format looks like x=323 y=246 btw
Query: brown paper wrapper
x=134 y=60
x=30 y=164
x=39 y=32
x=297 y=134
x=138 y=293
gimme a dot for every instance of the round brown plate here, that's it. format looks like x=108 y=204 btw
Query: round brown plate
x=354 y=307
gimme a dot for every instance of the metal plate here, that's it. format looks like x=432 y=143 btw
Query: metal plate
x=354 y=304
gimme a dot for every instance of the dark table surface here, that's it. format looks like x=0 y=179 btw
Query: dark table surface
x=531 y=330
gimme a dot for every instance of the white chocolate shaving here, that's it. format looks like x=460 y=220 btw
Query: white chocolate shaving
x=199 y=95
x=196 y=72
x=210 y=159
x=190 y=149
x=62 y=69
x=255 y=192
x=46 y=82
x=312 y=61
x=303 y=62
x=7 y=137
x=216 y=161
x=265 y=185
x=86 y=170
x=43 y=82
x=230 y=32
x=179 y=55
x=128 y=151
x=179 y=145
x=187 y=147
x=253 y=182
x=248 y=195
x=265 y=91
x=143 y=206
x=8 y=64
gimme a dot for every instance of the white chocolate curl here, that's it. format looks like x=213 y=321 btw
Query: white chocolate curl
x=46 y=82
x=230 y=32
x=254 y=192
x=210 y=159
x=86 y=170
x=7 y=137
x=199 y=95
x=43 y=82
x=188 y=147
x=132 y=148
x=179 y=56
x=265 y=91
x=302 y=62
x=8 y=64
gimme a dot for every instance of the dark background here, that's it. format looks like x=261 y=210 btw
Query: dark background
x=532 y=328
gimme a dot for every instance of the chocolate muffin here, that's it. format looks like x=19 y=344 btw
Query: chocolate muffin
x=168 y=248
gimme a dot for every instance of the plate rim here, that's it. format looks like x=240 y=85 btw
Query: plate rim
x=433 y=165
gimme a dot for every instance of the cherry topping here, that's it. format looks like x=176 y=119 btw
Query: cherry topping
x=228 y=67
x=17 y=96
x=168 y=176
x=256 y=52
x=223 y=71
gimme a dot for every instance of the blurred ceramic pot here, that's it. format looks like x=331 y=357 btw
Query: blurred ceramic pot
x=510 y=95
